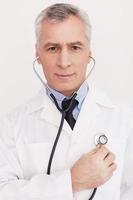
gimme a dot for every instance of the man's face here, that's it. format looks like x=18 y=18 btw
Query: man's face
x=63 y=51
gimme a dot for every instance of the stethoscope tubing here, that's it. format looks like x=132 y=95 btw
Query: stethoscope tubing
x=61 y=122
x=59 y=130
x=55 y=143
x=58 y=136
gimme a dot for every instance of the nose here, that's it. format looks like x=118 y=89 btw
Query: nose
x=64 y=59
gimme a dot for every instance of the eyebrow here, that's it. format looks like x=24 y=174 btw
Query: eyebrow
x=50 y=44
x=77 y=43
x=58 y=44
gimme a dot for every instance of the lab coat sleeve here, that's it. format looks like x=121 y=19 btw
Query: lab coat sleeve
x=127 y=179
x=14 y=186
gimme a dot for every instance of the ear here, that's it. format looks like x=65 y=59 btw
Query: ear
x=37 y=54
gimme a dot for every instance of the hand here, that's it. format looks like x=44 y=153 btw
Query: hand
x=93 y=169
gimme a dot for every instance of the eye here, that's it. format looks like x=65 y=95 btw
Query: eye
x=52 y=49
x=75 y=47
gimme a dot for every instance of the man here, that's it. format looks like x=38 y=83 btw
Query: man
x=27 y=135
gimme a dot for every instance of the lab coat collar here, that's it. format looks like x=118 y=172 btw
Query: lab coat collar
x=44 y=104
x=37 y=103
x=100 y=98
x=41 y=100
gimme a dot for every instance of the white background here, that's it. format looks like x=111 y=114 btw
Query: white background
x=112 y=46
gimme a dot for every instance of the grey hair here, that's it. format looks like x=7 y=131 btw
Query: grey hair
x=59 y=12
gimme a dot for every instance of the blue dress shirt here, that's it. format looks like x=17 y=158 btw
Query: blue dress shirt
x=81 y=94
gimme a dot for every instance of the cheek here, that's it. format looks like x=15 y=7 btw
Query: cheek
x=48 y=65
x=82 y=59
x=48 y=70
x=81 y=71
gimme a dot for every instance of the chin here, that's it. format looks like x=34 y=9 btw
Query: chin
x=67 y=91
x=66 y=88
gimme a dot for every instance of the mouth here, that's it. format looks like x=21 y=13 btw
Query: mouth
x=65 y=76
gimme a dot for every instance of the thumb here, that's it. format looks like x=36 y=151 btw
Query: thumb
x=94 y=150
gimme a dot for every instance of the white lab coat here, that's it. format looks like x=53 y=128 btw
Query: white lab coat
x=26 y=140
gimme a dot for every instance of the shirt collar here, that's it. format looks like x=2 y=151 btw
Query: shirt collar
x=81 y=94
x=39 y=102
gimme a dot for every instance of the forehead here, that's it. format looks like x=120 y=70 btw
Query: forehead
x=67 y=31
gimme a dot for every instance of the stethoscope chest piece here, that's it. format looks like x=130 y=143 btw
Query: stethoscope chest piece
x=101 y=139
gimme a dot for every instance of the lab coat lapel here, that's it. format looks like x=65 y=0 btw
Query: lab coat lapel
x=91 y=110
x=88 y=113
x=52 y=115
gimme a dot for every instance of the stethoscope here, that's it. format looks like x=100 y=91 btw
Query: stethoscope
x=99 y=138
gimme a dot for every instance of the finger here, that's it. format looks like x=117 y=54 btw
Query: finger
x=109 y=158
x=95 y=150
x=113 y=166
x=103 y=151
